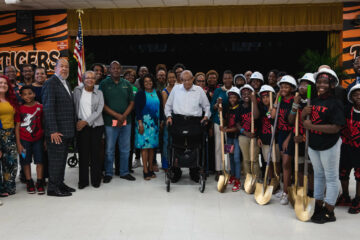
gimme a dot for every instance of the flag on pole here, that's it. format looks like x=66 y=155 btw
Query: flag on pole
x=79 y=50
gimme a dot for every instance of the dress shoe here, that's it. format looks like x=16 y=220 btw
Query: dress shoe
x=82 y=186
x=128 y=177
x=58 y=193
x=107 y=179
x=63 y=187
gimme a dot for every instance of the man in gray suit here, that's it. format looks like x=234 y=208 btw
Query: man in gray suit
x=59 y=125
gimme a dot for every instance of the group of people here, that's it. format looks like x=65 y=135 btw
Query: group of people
x=115 y=114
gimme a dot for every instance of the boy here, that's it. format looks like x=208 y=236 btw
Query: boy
x=350 y=151
x=29 y=138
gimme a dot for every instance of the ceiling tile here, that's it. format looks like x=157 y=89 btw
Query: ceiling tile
x=103 y=4
x=253 y=2
x=172 y=3
x=201 y=2
x=275 y=1
x=225 y=2
x=151 y=3
x=126 y=3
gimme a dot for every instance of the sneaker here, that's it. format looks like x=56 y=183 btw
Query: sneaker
x=231 y=180
x=136 y=163
x=284 y=199
x=40 y=187
x=279 y=193
x=318 y=216
x=237 y=186
x=343 y=200
x=355 y=206
x=30 y=187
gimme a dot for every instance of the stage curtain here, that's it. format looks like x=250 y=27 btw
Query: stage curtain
x=334 y=43
x=214 y=19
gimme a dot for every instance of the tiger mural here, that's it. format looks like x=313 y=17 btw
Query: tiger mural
x=350 y=38
x=48 y=42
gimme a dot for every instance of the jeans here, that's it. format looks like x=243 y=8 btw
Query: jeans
x=35 y=149
x=164 y=158
x=326 y=173
x=235 y=164
x=122 y=134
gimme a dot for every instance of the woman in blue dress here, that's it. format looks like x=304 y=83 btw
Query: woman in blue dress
x=149 y=114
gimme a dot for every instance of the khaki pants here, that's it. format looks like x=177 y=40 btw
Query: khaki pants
x=265 y=151
x=244 y=143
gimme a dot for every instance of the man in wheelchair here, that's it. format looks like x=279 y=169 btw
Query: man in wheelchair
x=187 y=110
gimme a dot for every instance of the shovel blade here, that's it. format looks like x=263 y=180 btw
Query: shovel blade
x=222 y=183
x=304 y=207
x=263 y=197
x=249 y=185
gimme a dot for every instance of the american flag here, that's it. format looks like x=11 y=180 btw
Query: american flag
x=79 y=52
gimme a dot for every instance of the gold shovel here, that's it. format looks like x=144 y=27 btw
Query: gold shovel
x=263 y=191
x=304 y=205
x=293 y=190
x=250 y=180
x=223 y=179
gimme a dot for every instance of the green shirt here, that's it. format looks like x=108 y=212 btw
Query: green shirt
x=117 y=97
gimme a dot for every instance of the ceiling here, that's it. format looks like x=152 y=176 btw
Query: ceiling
x=83 y=4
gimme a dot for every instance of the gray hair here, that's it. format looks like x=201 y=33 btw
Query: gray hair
x=86 y=73
x=186 y=72
x=61 y=60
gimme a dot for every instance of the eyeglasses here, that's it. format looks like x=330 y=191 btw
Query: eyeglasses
x=200 y=80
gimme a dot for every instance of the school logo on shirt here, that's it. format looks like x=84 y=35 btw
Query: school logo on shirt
x=315 y=116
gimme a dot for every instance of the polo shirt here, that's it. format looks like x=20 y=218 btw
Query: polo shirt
x=117 y=96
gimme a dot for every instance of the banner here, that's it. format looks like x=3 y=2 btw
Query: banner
x=351 y=38
x=43 y=48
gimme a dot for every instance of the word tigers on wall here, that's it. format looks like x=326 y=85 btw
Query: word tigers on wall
x=48 y=43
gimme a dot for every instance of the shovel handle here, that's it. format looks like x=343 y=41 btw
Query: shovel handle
x=222 y=138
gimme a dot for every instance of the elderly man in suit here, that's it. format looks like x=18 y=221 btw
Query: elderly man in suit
x=59 y=125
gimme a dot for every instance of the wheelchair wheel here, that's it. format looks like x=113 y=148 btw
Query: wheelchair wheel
x=202 y=183
x=72 y=161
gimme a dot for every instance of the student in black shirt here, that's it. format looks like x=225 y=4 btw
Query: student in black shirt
x=327 y=119
x=288 y=87
x=266 y=123
x=350 y=151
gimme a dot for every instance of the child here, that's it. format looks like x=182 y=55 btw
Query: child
x=29 y=138
x=265 y=126
x=350 y=151
x=232 y=136
x=256 y=81
x=287 y=86
x=243 y=120
x=327 y=119
x=300 y=102
x=239 y=80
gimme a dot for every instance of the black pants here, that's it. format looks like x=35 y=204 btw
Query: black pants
x=89 y=140
x=57 y=154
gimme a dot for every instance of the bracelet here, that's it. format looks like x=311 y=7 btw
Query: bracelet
x=292 y=112
x=242 y=131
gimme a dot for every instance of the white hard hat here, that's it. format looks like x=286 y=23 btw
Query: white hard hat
x=328 y=71
x=257 y=75
x=239 y=75
x=288 y=79
x=234 y=90
x=355 y=87
x=246 y=86
x=307 y=77
x=266 y=88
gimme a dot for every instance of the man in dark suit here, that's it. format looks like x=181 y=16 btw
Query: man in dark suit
x=59 y=125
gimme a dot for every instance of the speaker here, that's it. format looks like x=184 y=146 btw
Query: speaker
x=24 y=22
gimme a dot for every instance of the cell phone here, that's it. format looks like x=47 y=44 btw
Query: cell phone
x=115 y=122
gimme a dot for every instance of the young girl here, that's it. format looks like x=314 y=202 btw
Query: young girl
x=232 y=136
x=171 y=79
x=350 y=151
x=29 y=138
x=287 y=86
x=265 y=126
x=327 y=118
x=300 y=102
x=40 y=78
x=239 y=80
x=243 y=120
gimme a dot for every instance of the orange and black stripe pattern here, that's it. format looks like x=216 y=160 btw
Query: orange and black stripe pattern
x=351 y=38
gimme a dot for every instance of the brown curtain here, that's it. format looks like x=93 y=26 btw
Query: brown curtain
x=218 y=19
x=334 y=42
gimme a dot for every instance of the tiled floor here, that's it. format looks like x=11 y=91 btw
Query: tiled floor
x=144 y=210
